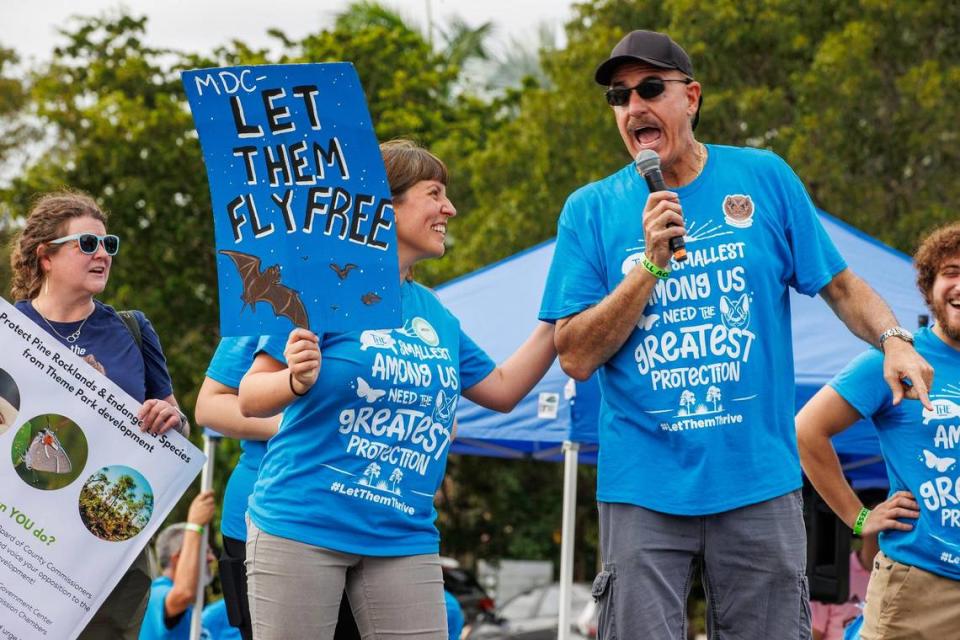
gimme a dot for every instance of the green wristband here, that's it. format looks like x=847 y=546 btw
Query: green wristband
x=190 y=526
x=861 y=520
x=663 y=274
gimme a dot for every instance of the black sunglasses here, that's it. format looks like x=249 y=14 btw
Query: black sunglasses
x=648 y=89
x=88 y=242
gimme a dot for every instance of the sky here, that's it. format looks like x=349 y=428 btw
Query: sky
x=29 y=26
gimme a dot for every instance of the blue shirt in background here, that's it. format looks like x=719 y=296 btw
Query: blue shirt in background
x=154 y=627
x=215 y=624
x=357 y=460
x=454 y=615
x=697 y=409
x=920 y=449
x=230 y=362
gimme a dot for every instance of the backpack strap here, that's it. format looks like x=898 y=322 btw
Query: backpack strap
x=133 y=326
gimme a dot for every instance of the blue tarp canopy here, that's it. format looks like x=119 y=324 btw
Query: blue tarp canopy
x=498 y=306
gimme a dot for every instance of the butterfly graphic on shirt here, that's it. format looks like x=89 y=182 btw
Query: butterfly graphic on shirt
x=934 y=462
x=646 y=322
x=445 y=407
x=45 y=453
x=368 y=393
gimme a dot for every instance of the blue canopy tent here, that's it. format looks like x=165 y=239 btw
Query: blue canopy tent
x=498 y=305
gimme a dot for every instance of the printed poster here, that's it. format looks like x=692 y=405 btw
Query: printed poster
x=301 y=205
x=82 y=489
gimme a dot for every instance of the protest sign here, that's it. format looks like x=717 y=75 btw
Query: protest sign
x=301 y=205
x=82 y=489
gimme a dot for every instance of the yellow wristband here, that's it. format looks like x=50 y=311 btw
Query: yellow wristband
x=663 y=274
x=194 y=527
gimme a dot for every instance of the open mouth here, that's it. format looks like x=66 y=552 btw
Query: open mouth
x=647 y=136
x=98 y=270
x=439 y=228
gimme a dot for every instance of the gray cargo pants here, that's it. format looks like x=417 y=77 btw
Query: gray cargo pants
x=752 y=561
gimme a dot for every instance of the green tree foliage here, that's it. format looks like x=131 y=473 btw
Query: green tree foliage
x=876 y=134
x=13 y=133
x=13 y=100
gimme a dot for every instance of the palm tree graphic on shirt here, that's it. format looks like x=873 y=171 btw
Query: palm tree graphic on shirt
x=370 y=474
x=713 y=395
x=395 y=478
x=687 y=400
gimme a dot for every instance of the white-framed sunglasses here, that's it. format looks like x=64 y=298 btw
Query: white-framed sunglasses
x=88 y=242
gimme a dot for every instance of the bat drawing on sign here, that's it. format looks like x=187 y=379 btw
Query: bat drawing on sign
x=370 y=298
x=47 y=454
x=345 y=271
x=264 y=286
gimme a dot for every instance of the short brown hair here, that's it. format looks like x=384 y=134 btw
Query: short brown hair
x=408 y=163
x=47 y=221
x=941 y=244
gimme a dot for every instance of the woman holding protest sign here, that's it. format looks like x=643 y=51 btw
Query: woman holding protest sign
x=344 y=496
x=60 y=262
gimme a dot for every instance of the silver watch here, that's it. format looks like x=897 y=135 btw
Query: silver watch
x=896 y=332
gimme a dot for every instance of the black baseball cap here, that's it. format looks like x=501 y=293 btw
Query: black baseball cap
x=650 y=47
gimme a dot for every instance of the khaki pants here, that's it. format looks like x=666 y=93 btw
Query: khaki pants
x=907 y=603
x=295 y=591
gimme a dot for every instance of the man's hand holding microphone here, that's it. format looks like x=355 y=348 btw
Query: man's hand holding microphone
x=663 y=228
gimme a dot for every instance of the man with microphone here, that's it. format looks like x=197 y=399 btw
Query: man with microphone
x=698 y=467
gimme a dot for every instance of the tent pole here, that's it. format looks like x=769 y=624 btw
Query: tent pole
x=206 y=483
x=570 y=454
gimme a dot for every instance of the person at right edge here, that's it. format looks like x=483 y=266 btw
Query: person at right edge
x=914 y=589
x=698 y=466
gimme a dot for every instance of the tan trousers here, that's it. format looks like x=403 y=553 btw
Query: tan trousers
x=295 y=591
x=907 y=603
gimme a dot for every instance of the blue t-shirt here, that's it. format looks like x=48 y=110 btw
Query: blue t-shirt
x=357 y=460
x=106 y=340
x=216 y=625
x=230 y=362
x=697 y=409
x=454 y=616
x=154 y=627
x=920 y=449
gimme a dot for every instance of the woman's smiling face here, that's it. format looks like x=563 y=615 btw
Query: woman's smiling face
x=422 y=213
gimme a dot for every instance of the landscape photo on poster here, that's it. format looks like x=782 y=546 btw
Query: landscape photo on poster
x=303 y=220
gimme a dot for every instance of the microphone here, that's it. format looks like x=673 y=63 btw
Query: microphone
x=648 y=166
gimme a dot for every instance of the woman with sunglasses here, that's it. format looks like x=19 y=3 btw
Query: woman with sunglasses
x=344 y=495
x=60 y=262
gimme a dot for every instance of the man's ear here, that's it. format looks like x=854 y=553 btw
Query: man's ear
x=694 y=91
